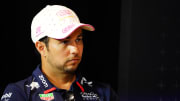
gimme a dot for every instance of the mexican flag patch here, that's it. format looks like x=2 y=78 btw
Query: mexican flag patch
x=47 y=97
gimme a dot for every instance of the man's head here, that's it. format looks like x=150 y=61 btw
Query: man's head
x=64 y=54
x=57 y=34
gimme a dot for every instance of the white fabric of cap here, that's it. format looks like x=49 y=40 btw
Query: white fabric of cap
x=57 y=22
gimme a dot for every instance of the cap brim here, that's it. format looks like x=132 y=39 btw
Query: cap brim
x=87 y=27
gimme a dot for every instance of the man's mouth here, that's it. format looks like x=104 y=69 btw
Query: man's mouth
x=74 y=60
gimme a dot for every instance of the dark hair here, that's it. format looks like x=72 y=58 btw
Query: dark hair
x=45 y=40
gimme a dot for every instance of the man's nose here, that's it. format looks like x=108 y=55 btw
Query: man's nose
x=73 y=49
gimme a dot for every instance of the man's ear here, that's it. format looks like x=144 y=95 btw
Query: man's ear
x=41 y=48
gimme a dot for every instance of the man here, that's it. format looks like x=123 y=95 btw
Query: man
x=57 y=34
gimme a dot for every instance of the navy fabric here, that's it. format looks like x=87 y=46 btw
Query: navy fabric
x=33 y=89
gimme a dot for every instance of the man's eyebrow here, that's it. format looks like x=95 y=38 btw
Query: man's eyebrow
x=67 y=37
x=80 y=35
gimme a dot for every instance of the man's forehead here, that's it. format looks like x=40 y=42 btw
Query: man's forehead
x=76 y=33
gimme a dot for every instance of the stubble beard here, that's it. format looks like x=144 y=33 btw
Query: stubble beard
x=69 y=69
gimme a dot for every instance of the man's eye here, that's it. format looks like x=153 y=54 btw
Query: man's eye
x=80 y=39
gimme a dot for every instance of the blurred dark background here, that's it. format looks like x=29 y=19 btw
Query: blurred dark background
x=135 y=47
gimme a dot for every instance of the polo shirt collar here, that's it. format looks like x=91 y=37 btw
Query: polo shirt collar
x=41 y=78
x=46 y=84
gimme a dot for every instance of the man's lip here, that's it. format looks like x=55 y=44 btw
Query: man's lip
x=74 y=60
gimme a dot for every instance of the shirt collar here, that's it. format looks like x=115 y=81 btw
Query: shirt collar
x=41 y=78
x=46 y=84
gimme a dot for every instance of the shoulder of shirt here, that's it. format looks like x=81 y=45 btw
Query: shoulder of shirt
x=94 y=84
x=101 y=85
x=18 y=88
x=106 y=90
x=22 y=83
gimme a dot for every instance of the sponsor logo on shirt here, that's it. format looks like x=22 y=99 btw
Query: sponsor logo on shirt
x=43 y=81
x=84 y=81
x=6 y=96
x=47 y=97
x=33 y=85
x=89 y=96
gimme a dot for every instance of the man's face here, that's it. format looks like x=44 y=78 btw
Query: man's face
x=65 y=55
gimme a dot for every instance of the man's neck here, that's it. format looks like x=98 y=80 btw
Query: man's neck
x=59 y=79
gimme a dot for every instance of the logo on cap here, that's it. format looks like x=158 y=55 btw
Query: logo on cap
x=63 y=13
x=68 y=28
x=38 y=31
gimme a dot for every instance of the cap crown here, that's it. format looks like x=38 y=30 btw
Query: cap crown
x=53 y=21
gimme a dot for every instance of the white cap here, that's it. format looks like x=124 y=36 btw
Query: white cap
x=57 y=22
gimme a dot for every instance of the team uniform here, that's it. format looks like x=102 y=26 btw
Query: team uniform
x=57 y=22
x=38 y=88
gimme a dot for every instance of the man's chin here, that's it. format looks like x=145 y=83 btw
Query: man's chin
x=70 y=70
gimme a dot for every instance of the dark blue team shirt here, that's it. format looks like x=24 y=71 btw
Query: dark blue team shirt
x=38 y=88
